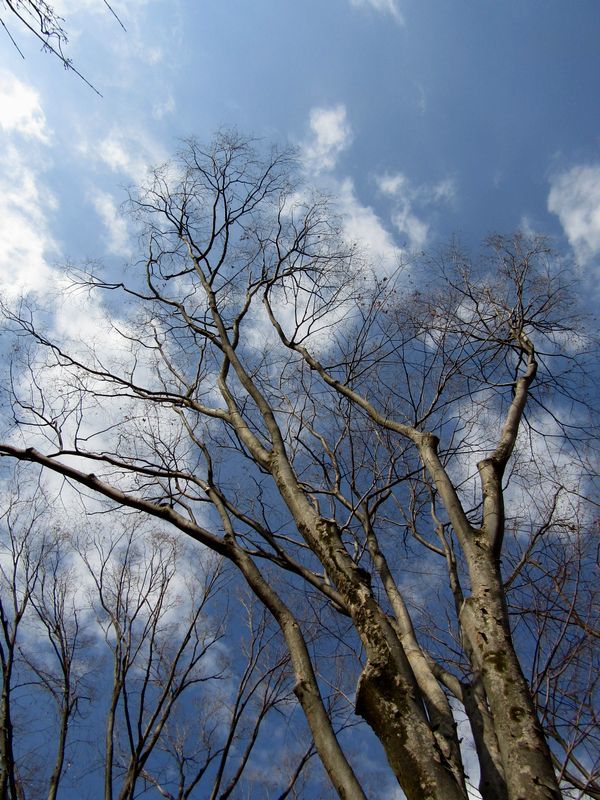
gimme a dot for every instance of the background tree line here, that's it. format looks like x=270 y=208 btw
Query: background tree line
x=115 y=673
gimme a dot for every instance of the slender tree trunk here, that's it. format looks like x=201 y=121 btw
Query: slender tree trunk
x=109 y=755
x=60 y=750
x=8 y=786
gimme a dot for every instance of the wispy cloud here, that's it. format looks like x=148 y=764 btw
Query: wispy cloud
x=384 y=6
x=397 y=185
x=330 y=135
x=25 y=201
x=74 y=7
x=575 y=198
x=24 y=229
x=161 y=109
x=127 y=152
x=117 y=232
x=406 y=197
x=119 y=155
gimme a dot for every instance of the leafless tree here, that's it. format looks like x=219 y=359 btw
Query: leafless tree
x=166 y=672
x=36 y=605
x=387 y=455
x=159 y=648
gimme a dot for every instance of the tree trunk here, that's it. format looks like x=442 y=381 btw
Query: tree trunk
x=523 y=748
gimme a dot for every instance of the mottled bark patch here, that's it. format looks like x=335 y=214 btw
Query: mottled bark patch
x=497 y=660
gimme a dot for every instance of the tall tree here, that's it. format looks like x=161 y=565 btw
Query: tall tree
x=116 y=660
x=334 y=431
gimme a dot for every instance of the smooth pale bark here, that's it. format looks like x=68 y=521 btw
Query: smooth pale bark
x=522 y=745
x=523 y=748
x=388 y=696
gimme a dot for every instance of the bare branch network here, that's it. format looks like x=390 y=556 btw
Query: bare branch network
x=396 y=464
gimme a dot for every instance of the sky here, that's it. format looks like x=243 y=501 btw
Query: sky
x=426 y=120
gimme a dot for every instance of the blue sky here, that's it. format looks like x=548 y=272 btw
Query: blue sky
x=427 y=119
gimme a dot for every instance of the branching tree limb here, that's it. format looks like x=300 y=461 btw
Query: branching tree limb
x=332 y=433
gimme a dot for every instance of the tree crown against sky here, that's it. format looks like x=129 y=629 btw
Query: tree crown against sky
x=335 y=431
x=422 y=120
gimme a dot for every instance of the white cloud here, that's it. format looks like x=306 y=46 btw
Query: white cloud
x=73 y=7
x=116 y=226
x=24 y=200
x=24 y=233
x=160 y=110
x=153 y=55
x=20 y=109
x=384 y=6
x=115 y=153
x=362 y=225
x=130 y=153
x=575 y=198
x=331 y=135
x=142 y=45
x=409 y=225
x=443 y=192
x=421 y=99
x=528 y=227
x=399 y=186
x=391 y=185
x=406 y=196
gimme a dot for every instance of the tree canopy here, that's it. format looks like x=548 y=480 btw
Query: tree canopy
x=398 y=464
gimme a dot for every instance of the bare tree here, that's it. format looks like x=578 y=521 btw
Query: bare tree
x=36 y=604
x=65 y=679
x=159 y=648
x=166 y=673
x=333 y=433
x=213 y=752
